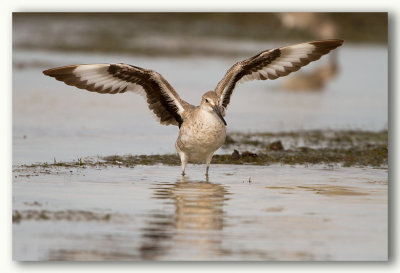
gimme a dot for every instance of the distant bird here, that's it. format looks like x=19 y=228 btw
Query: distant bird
x=202 y=128
x=320 y=25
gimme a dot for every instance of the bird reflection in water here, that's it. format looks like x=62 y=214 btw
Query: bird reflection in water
x=192 y=226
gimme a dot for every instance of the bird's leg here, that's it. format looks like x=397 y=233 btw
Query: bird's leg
x=183 y=168
x=184 y=161
x=208 y=161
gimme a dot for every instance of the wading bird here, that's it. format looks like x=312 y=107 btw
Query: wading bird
x=202 y=129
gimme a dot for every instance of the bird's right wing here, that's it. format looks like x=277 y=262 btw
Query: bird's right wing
x=162 y=99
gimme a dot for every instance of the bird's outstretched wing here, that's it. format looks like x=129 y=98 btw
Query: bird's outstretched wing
x=119 y=78
x=272 y=64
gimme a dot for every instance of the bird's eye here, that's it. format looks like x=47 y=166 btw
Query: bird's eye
x=206 y=100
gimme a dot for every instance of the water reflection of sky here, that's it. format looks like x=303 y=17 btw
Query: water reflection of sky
x=284 y=213
x=63 y=122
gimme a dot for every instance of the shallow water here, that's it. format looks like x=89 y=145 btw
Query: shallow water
x=240 y=213
x=53 y=120
x=276 y=212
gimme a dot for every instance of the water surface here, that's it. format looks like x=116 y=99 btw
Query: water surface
x=238 y=213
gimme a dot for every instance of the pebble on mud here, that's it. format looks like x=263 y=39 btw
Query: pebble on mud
x=249 y=154
x=235 y=155
x=275 y=146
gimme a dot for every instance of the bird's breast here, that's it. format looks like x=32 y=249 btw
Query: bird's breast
x=202 y=134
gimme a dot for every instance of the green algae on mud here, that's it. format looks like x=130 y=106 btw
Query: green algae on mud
x=311 y=138
x=375 y=156
x=348 y=148
x=67 y=215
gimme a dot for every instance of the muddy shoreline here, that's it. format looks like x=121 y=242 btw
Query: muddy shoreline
x=343 y=148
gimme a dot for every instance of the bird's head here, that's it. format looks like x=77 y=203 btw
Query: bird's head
x=210 y=103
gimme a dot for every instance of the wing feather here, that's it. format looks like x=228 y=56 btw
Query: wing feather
x=272 y=64
x=119 y=78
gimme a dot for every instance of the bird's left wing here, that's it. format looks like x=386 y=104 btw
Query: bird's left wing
x=162 y=99
x=272 y=64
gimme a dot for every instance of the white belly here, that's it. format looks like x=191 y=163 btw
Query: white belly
x=200 y=137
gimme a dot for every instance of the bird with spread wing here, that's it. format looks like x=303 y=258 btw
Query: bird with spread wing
x=202 y=129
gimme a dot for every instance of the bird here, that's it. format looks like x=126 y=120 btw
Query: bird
x=202 y=128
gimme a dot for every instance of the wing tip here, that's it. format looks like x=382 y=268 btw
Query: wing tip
x=331 y=43
x=47 y=72
x=62 y=70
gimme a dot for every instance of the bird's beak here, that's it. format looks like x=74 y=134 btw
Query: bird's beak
x=218 y=112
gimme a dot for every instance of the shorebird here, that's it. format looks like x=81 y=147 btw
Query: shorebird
x=202 y=129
